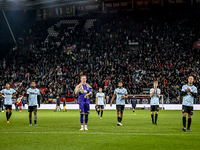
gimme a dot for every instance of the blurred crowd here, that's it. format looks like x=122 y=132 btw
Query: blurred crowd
x=114 y=49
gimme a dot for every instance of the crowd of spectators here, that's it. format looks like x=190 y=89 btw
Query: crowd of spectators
x=164 y=53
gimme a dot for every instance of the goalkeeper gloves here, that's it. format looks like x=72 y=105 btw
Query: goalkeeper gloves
x=88 y=95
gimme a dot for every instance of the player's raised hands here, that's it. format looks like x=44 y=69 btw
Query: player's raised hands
x=80 y=85
x=188 y=90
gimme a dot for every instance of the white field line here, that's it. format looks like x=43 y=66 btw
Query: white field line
x=97 y=133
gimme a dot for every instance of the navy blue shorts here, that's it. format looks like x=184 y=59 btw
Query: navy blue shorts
x=84 y=108
x=32 y=108
x=154 y=108
x=120 y=108
x=8 y=107
x=133 y=102
x=100 y=106
x=187 y=109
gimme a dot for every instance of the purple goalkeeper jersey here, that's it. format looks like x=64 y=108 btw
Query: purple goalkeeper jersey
x=81 y=98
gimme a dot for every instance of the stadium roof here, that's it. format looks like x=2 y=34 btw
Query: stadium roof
x=36 y=4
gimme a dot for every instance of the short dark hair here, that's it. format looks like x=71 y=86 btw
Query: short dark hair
x=191 y=76
x=120 y=82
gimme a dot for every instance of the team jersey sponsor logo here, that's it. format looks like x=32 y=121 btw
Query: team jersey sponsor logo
x=8 y=93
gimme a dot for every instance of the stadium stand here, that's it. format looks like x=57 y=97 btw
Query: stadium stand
x=58 y=51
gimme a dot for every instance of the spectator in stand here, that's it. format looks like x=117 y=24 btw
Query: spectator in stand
x=104 y=55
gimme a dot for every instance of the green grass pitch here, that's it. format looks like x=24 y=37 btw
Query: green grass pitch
x=60 y=130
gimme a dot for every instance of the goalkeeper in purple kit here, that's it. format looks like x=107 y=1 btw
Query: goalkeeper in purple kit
x=84 y=92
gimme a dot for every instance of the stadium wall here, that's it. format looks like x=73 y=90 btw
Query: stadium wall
x=105 y=6
x=128 y=106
